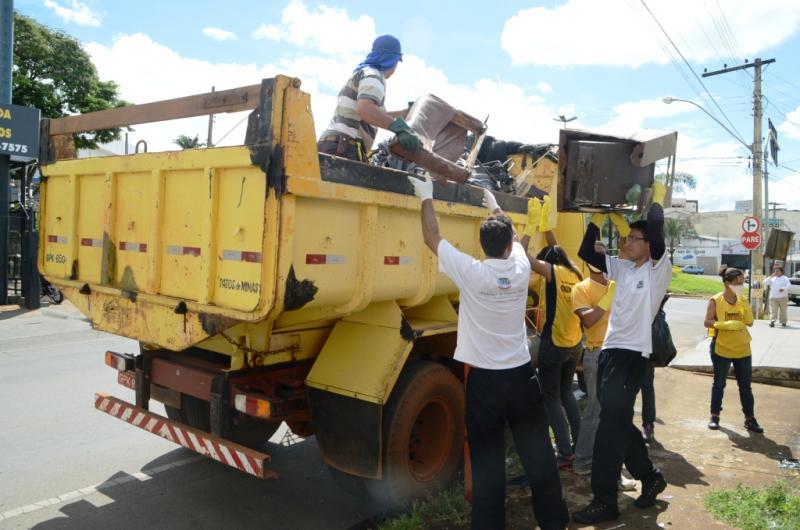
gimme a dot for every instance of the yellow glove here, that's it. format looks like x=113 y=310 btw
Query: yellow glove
x=659 y=191
x=598 y=219
x=605 y=302
x=730 y=325
x=534 y=217
x=547 y=207
x=622 y=225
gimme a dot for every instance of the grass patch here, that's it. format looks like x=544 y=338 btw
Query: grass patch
x=448 y=508
x=683 y=283
x=776 y=507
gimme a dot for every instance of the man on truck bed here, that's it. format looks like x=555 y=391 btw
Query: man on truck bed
x=501 y=384
x=359 y=108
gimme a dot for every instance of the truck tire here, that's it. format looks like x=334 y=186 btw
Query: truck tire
x=352 y=484
x=194 y=412
x=423 y=435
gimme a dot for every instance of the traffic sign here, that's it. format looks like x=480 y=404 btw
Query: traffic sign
x=751 y=224
x=751 y=240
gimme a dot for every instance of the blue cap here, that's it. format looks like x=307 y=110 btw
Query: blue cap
x=385 y=54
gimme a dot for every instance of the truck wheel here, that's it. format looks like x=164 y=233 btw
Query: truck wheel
x=423 y=434
x=195 y=413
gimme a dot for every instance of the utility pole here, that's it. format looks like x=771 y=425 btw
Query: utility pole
x=210 y=126
x=6 y=60
x=757 y=260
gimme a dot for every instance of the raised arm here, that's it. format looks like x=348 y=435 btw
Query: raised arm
x=655 y=223
x=587 y=251
x=423 y=188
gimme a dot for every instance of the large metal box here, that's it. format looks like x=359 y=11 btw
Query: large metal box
x=778 y=244
x=597 y=171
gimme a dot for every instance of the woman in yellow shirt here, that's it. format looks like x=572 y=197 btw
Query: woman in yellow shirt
x=560 y=346
x=727 y=317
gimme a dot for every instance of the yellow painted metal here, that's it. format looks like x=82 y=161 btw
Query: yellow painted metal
x=363 y=355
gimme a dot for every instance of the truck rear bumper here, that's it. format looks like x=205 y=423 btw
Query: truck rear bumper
x=229 y=453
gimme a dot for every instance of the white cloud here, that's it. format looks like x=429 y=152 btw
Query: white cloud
x=543 y=87
x=77 y=12
x=622 y=33
x=219 y=34
x=327 y=30
x=631 y=116
x=791 y=127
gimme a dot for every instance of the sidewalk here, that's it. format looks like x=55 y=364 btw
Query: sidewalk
x=776 y=355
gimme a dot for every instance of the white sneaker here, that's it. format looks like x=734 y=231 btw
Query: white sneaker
x=626 y=484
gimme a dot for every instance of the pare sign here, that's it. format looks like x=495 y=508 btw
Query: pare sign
x=751 y=240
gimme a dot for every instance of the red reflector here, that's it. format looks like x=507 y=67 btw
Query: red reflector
x=391 y=260
x=315 y=259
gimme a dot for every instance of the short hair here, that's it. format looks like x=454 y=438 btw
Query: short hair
x=641 y=226
x=496 y=234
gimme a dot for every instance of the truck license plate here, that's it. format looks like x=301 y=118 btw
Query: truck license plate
x=127 y=379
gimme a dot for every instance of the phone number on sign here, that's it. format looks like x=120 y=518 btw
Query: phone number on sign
x=13 y=148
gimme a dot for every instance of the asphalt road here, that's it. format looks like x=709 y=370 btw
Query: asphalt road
x=63 y=465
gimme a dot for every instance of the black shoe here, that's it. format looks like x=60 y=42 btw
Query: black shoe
x=713 y=423
x=752 y=425
x=651 y=487
x=596 y=512
x=772 y=324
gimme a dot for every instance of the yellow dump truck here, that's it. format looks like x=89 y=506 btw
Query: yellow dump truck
x=267 y=283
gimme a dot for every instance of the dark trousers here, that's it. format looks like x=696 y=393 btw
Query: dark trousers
x=513 y=396
x=556 y=370
x=649 y=396
x=618 y=441
x=743 y=368
x=351 y=149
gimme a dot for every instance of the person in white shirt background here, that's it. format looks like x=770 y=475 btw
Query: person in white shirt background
x=778 y=295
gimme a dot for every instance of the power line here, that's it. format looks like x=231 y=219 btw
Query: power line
x=666 y=34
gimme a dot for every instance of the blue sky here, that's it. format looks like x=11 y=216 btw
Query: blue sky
x=522 y=63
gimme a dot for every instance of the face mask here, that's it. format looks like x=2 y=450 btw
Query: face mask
x=738 y=289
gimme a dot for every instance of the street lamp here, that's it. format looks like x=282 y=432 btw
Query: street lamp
x=564 y=120
x=670 y=99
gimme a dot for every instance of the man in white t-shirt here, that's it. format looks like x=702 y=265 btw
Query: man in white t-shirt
x=641 y=283
x=501 y=385
x=778 y=295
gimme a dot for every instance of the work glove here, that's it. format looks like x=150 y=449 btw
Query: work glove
x=489 y=201
x=547 y=208
x=622 y=224
x=608 y=298
x=534 y=217
x=423 y=188
x=598 y=218
x=659 y=191
x=406 y=136
x=730 y=325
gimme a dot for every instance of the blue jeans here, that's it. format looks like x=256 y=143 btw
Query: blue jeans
x=743 y=368
x=591 y=414
x=649 y=396
x=556 y=371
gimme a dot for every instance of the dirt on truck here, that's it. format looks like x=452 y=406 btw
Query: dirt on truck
x=268 y=283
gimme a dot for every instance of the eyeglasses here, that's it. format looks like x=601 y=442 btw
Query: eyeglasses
x=634 y=238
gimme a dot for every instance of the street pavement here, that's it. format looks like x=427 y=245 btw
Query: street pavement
x=64 y=465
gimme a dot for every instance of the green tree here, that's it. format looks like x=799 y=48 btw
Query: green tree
x=682 y=182
x=674 y=230
x=186 y=142
x=54 y=74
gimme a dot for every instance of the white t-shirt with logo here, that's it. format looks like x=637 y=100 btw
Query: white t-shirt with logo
x=777 y=283
x=640 y=291
x=491 y=311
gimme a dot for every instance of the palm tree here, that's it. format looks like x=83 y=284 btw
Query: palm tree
x=681 y=182
x=187 y=142
x=674 y=230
